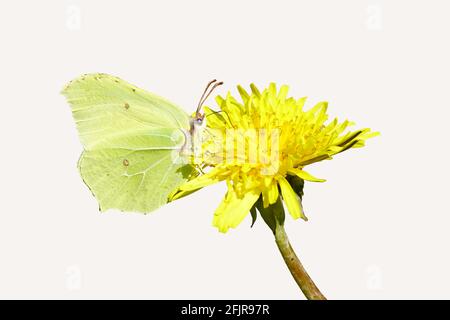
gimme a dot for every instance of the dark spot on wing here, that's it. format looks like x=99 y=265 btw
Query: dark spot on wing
x=134 y=90
x=126 y=163
x=126 y=106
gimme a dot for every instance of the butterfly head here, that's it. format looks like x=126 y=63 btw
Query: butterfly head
x=199 y=118
x=198 y=121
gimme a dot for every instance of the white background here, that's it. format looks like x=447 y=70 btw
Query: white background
x=378 y=228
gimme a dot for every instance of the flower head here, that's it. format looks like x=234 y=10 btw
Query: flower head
x=258 y=146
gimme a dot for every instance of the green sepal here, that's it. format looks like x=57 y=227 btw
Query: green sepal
x=273 y=214
x=254 y=215
x=297 y=184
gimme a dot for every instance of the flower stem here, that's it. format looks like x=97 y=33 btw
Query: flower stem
x=296 y=268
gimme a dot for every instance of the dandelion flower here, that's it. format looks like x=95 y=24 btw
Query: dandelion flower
x=260 y=147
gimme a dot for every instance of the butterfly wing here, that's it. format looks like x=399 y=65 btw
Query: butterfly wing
x=132 y=141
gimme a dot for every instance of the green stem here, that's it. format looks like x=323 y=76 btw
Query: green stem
x=296 y=268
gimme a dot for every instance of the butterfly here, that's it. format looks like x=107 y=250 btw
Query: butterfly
x=134 y=141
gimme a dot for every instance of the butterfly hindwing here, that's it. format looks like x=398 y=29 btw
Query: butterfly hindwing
x=131 y=180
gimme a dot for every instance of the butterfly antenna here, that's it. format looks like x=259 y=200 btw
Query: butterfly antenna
x=204 y=92
x=207 y=93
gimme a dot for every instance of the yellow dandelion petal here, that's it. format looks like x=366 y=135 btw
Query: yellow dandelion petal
x=305 y=175
x=255 y=90
x=265 y=197
x=233 y=209
x=315 y=159
x=214 y=118
x=292 y=201
x=273 y=193
x=244 y=95
x=201 y=181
